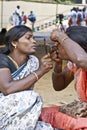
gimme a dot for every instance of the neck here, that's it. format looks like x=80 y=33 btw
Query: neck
x=19 y=59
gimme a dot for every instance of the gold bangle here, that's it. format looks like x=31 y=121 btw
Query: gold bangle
x=35 y=75
x=65 y=38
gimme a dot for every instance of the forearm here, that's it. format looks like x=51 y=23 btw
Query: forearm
x=75 y=52
x=61 y=78
x=57 y=78
x=58 y=81
x=22 y=84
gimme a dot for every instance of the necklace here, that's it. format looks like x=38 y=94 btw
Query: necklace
x=14 y=62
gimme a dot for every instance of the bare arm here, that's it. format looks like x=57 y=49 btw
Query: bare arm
x=74 y=51
x=8 y=85
x=61 y=78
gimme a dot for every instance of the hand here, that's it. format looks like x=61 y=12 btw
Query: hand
x=54 y=35
x=57 y=35
x=54 y=54
x=46 y=64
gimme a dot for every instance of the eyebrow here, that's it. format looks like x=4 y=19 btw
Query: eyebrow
x=28 y=34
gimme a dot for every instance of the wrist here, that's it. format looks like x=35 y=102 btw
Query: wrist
x=57 y=73
x=61 y=38
x=58 y=67
x=35 y=74
x=40 y=72
x=64 y=39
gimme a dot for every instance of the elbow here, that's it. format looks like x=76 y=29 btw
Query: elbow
x=57 y=87
x=81 y=63
x=6 y=90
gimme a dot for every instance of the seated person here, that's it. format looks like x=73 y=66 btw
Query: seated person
x=72 y=46
x=20 y=106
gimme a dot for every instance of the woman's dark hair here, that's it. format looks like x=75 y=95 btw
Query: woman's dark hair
x=13 y=35
x=79 y=35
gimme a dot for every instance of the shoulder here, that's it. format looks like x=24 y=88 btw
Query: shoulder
x=3 y=56
x=4 y=62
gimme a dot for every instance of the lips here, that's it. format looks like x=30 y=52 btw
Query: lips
x=34 y=47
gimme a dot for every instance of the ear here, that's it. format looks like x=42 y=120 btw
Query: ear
x=14 y=44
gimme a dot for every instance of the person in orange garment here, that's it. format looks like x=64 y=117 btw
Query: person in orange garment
x=72 y=46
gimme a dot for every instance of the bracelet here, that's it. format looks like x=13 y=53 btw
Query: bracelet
x=65 y=38
x=35 y=75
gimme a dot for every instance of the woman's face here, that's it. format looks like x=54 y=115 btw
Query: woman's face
x=61 y=52
x=26 y=44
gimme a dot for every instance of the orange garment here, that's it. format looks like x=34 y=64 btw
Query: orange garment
x=80 y=79
x=81 y=84
x=70 y=22
x=60 y=120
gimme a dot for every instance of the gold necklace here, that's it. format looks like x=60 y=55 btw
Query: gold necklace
x=14 y=62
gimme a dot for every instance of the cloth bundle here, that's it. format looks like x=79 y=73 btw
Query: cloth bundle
x=75 y=109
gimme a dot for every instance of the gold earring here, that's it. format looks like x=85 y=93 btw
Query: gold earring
x=15 y=46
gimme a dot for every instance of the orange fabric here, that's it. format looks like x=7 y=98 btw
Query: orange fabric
x=80 y=81
x=78 y=22
x=86 y=20
x=60 y=120
x=70 y=22
x=81 y=84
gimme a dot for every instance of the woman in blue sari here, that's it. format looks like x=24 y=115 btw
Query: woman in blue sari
x=20 y=106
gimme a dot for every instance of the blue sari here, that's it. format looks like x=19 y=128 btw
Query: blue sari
x=21 y=110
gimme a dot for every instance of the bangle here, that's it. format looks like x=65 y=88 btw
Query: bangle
x=35 y=75
x=65 y=38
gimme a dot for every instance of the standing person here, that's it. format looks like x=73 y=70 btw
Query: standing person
x=14 y=19
x=32 y=19
x=23 y=18
x=17 y=10
x=17 y=15
x=20 y=106
x=72 y=46
x=11 y=20
x=72 y=17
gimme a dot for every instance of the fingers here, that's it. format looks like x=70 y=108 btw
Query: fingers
x=54 y=34
x=47 y=56
x=48 y=65
x=47 y=62
x=50 y=58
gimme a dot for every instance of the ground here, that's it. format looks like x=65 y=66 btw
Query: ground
x=45 y=88
x=50 y=96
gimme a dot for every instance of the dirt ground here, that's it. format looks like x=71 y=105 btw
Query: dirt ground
x=45 y=88
x=52 y=97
